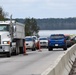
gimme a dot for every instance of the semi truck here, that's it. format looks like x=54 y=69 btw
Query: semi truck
x=12 y=37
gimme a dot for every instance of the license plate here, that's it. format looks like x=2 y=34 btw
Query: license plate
x=56 y=44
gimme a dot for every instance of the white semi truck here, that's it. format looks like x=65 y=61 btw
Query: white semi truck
x=12 y=37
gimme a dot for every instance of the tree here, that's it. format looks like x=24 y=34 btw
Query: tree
x=31 y=27
x=2 y=14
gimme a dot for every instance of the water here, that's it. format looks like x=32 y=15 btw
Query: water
x=47 y=33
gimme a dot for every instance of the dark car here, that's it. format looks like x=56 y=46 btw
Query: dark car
x=57 y=41
x=68 y=41
x=73 y=40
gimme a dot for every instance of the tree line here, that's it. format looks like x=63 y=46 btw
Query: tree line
x=55 y=23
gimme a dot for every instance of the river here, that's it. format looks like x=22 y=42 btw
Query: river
x=47 y=33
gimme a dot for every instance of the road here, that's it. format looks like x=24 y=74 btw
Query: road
x=32 y=64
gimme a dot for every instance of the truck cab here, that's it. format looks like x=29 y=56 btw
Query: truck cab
x=57 y=41
x=11 y=34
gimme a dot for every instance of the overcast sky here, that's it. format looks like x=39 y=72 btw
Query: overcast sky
x=40 y=8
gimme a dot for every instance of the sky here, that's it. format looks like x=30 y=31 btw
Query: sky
x=39 y=8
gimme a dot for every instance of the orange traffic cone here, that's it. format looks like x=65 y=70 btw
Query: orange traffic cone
x=25 y=48
x=39 y=47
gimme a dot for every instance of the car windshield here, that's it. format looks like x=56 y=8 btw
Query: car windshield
x=28 y=39
x=57 y=37
x=43 y=39
x=34 y=38
x=4 y=27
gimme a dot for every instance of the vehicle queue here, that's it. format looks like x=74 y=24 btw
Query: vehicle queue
x=53 y=41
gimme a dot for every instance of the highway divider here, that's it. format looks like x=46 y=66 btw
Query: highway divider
x=63 y=64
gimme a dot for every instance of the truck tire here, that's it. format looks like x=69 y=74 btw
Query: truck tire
x=9 y=53
x=21 y=50
x=17 y=51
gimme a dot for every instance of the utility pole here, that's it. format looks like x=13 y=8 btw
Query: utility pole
x=11 y=27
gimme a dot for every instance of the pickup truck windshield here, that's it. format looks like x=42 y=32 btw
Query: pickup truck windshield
x=4 y=27
x=57 y=37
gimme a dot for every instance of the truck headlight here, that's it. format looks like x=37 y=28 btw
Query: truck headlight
x=6 y=42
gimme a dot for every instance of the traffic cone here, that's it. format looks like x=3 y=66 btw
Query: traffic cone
x=25 y=48
x=39 y=47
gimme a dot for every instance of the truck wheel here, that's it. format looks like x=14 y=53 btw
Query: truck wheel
x=9 y=53
x=21 y=50
x=15 y=52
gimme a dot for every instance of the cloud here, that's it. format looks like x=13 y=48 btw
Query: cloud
x=39 y=8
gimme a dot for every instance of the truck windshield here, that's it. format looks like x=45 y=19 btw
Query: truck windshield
x=57 y=37
x=4 y=27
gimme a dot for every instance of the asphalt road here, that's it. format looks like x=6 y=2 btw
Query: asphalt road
x=34 y=63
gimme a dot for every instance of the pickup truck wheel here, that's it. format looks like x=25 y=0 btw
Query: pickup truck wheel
x=50 y=48
x=65 y=48
x=15 y=52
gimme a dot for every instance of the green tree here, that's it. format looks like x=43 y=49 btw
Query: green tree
x=2 y=14
x=31 y=27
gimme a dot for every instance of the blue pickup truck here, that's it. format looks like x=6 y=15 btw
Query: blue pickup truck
x=57 y=41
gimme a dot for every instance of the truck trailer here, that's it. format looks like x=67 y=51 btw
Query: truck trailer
x=12 y=37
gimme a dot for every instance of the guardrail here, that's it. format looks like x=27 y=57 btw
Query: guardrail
x=63 y=64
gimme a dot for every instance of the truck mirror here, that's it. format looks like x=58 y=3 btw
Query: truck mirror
x=14 y=28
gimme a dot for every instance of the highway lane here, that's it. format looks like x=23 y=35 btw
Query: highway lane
x=32 y=64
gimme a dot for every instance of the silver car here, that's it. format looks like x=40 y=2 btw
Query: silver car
x=30 y=43
x=43 y=41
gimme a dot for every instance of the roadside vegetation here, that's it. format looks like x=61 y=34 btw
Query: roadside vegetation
x=54 y=23
x=2 y=14
x=31 y=27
